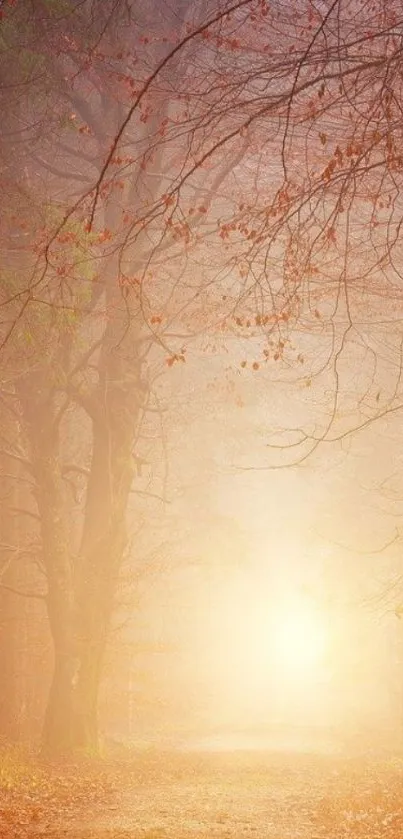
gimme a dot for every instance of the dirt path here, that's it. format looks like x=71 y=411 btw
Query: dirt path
x=200 y=796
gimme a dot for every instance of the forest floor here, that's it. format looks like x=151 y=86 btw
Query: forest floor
x=204 y=795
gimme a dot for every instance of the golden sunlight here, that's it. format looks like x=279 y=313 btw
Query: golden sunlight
x=267 y=657
x=298 y=640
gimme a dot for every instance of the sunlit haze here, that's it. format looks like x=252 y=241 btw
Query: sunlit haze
x=201 y=403
x=298 y=642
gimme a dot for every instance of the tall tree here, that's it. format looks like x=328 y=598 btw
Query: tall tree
x=88 y=297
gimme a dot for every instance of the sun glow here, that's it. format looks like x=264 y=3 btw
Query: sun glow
x=298 y=640
x=268 y=653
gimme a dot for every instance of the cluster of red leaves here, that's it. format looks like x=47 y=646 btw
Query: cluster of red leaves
x=6 y=3
x=172 y=359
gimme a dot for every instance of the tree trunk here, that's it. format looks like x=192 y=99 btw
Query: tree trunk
x=82 y=582
x=9 y=605
x=58 y=729
x=103 y=543
x=42 y=435
x=71 y=722
x=93 y=616
x=80 y=602
x=80 y=637
x=8 y=666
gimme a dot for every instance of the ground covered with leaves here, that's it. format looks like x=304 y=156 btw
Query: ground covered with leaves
x=167 y=795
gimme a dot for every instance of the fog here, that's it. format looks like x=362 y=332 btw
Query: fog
x=201 y=389
x=278 y=625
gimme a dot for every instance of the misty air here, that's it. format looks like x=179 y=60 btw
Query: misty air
x=201 y=401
